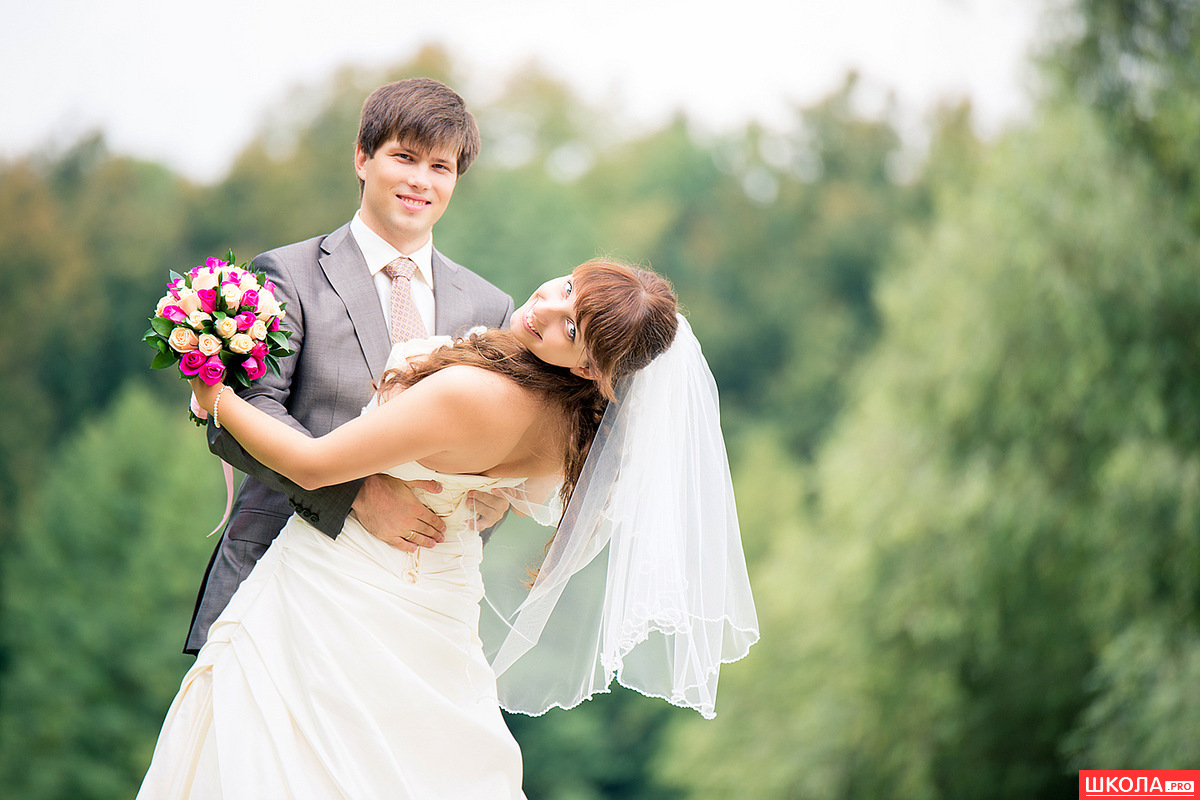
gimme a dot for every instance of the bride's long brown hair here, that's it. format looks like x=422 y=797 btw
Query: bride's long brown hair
x=627 y=317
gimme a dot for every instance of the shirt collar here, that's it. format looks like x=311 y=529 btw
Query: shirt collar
x=378 y=253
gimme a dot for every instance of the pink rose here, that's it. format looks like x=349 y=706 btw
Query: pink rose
x=245 y=320
x=274 y=326
x=192 y=362
x=175 y=314
x=208 y=299
x=174 y=286
x=259 y=351
x=250 y=299
x=215 y=263
x=183 y=340
x=213 y=370
x=255 y=368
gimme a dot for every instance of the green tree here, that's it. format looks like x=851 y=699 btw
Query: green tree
x=43 y=282
x=1137 y=62
x=1011 y=494
x=127 y=219
x=98 y=589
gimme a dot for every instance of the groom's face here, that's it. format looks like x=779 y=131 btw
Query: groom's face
x=405 y=191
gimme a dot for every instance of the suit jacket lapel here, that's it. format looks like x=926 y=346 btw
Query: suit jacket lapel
x=346 y=269
x=452 y=310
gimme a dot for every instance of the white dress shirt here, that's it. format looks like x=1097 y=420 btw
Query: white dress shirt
x=378 y=254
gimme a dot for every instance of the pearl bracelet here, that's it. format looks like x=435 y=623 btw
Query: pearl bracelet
x=216 y=403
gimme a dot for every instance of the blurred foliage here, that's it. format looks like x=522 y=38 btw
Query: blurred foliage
x=98 y=589
x=1135 y=62
x=958 y=387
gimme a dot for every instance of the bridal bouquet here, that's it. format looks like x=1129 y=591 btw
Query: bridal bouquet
x=219 y=322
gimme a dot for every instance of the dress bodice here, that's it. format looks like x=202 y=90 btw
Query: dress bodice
x=450 y=503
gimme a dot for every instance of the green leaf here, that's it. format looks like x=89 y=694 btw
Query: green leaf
x=162 y=326
x=175 y=276
x=162 y=361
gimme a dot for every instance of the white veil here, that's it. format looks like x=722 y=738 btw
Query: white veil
x=645 y=580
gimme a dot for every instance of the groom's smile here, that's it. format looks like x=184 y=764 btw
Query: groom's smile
x=413 y=201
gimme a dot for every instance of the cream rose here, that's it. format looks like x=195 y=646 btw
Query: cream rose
x=226 y=327
x=183 y=340
x=268 y=306
x=241 y=343
x=167 y=300
x=207 y=278
x=258 y=331
x=209 y=344
x=198 y=319
x=189 y=301
x=249 y=281
x=232 y=295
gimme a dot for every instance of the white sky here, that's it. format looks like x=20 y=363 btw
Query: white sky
x=188 y=83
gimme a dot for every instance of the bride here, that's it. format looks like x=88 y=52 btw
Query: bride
x=345 y=668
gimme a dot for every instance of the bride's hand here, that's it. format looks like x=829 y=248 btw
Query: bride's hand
x=205 y=394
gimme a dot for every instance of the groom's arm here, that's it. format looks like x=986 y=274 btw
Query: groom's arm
x=326 y=508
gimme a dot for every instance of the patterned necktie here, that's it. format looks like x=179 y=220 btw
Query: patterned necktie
x=406 y=322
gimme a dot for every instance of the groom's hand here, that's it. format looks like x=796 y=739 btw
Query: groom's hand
x=389 y=510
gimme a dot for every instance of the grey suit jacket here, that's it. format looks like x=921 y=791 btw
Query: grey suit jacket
x=342 y=344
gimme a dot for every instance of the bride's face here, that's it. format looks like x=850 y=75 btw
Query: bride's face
x=547 y=326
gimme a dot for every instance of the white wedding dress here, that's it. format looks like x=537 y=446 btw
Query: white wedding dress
x=346 y=668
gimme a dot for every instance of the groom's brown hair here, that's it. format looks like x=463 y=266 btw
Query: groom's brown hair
x=422 y=113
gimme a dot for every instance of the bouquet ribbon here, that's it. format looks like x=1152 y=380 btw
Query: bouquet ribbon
x=225 y=468
x=228 y=470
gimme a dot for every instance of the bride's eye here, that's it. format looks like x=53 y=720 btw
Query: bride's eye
x=571 y=330
x=569 y=288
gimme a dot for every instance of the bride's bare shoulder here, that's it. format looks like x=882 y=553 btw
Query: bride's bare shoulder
x=479 y=390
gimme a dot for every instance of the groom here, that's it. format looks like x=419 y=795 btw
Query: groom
x=350 y=295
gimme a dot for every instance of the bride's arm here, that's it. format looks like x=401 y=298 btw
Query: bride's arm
x=456 y=411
